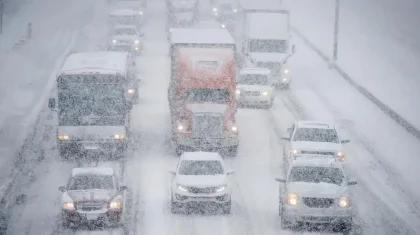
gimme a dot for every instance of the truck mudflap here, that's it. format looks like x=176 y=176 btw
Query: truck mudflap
x=206 y=144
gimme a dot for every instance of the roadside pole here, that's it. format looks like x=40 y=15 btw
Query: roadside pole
x=336 y=25
x=1 y=16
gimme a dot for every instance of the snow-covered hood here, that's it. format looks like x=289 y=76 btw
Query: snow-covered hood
x=208 y=108
x=91 y=195
x=260 y=88
x=130 y=38
x=316 y=146
x=91 y=132
x=269 y=57
x=320 y=190
x=201 y=180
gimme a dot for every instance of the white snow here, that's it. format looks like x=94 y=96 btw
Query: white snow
x=279 y=29
x=93 y=170
x=207 y=156
x=197 y=36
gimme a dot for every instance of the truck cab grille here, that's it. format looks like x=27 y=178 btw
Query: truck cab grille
x=88 y=206
x=208 y=125
x=318 y=202
x=206 y=190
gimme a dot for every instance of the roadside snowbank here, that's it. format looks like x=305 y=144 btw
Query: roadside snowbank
x=378 y=45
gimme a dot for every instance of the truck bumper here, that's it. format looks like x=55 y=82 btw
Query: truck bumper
x=83 y=147
x=187 y=143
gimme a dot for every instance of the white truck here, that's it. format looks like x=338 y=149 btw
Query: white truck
x=266 y=40
x=95 y=92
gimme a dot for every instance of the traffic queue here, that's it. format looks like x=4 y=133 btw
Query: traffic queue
x=209 y=80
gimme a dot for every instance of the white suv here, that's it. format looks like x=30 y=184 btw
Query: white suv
x=312 y=137
x=254 y=87
x=201 y=179
x=316 y=191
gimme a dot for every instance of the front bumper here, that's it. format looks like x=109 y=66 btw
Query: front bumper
x=74 y=147
x=255 y=100
x=331 y=215
x=206 y=144
x=82 y=217
x=179 y=196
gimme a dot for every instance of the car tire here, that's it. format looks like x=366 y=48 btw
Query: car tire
x=226 y=208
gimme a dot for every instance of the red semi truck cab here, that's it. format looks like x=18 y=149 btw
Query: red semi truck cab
x=202 y=98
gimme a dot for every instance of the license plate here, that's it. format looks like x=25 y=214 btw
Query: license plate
x=92 y=216
x=91 y=147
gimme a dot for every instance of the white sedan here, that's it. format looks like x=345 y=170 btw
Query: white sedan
x=201 y=179
x=316 y=190
x=254 y=87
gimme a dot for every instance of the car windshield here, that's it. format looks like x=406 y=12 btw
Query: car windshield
x=316 y=135
x=125 y=31
x=91 y=181
x=208 y=95
x=308 y=174
x=268 y=46
x=192 y=167
x=253 y=79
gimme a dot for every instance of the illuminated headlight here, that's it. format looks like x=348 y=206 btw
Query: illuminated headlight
x=286 y=71
x=293 y=151
x=216 y=14
x=115 y=204
x=344 y=202
x=223 y=26
x=63 y=137
x=119 y=137
x=235 y=10
x=68 y=205
x=265 y=93
x=114 y=41
x=141 y=13
x=214 y=9
x=136 y=42
x=221 y=188
x=131 y=91
x=182 y=188
x=340 y=155
x=238 y=92
x=284 y=79
x=291 y=199
x=182 y=126
x=234 y=128
x=136 y=48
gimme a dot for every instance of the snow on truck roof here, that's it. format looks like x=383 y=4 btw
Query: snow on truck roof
x=203 y=156
x=93 y=170
x=256 y=22
x=201 y=36
x=263 y=71
x=315 y=124
x=104 y=62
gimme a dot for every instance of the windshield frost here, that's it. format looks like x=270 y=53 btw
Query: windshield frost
x=316 y=175
x=268 y=46
x=189 y=167
x=91 y=181
x=253 y=79
x=316 y=135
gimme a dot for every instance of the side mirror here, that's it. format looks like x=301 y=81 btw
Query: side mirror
x=293 y=49
x=173 y=173
x=289 y=130
x=286 y=137
x=351 y=182
x=123 y=188
x=230 y=172
x=62 y=189
x=345 y=141
x=51 y=103
x=281 y=180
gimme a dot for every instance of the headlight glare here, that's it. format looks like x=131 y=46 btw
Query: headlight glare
x=238 y=92
x=344 y=202
x=286 y=71
x=182 y=188
x=214 y=9
x=63 y=137
x=131 y=91
x=68 y=205
x=114 y=41
x=293 y=151
x=292 y=199
x=118 y=136
x=136 y=41
x=235 y=10
x=223 y=26
x=221 y=188
x=234 y=128
x=265 y=93
x=114 y=204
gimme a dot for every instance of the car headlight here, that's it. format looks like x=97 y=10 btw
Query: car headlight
x=136 y=48
x=114 y=41
x=344 y=202
x=265 y=93
x=291 y=199
x=136 y=42
x=234 y=128
x=63 y=137
x=216 y=14
x=131 y=91
x=119 y=136
x=68 y=205
x=221 y=188
x=182 y=188
x=340 y=155
x=293 y=151
x=182 y=126
x=238 y=92
x=286 y=71
x=235 y=10
x=214 y=9
x=141 y=13
x=223 y=26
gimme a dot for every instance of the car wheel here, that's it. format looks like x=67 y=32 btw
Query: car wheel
x=227 y=207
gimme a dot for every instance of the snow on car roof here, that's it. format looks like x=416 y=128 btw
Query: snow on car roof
x=316 y=160
x=93 y=170
x=315 y=124
x=201 y=36
x=125 y=11
x=263 y=71
x=202 y=156
x=102 y=62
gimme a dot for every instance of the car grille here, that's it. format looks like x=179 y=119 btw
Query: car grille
x=208 y=126
x=251 y=93
x=318 y=202
x=206 y=190
x=318 y=152
x=89 y=206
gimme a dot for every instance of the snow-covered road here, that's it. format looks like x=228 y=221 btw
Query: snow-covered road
x=382 y=205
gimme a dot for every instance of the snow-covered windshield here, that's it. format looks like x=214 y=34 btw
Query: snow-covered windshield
x=190 y=167
x=91 y=181
x=128 y=19
x=316 y=135
x=253 y=79
x=91 y=104
x=208 y=95
x=310 y=174
x=125 y=31
x=268 y=46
